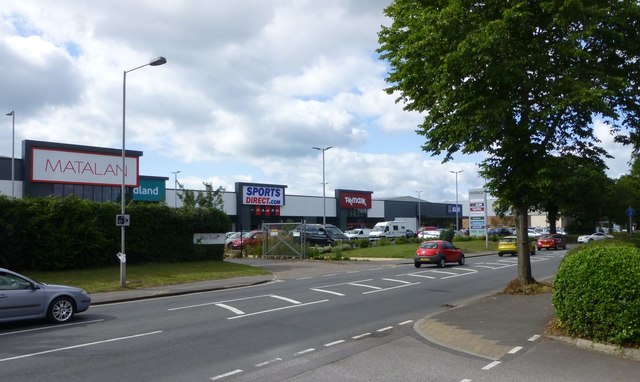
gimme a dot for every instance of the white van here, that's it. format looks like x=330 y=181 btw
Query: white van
x=358 y=233
x=388 y=230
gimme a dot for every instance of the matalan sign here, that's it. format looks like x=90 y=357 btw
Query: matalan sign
x=63 y=166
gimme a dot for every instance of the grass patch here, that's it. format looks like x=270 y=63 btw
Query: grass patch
x=147 y=275
x=407 y=251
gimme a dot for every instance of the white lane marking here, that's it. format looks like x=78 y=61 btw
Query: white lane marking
x=390 y=288
x=375 y=269
x=444 y=273
x=466 y=380
x=329 y=275
x=419 y=275
x=265 y=363
x=491 y=365
x=305 y=351
x=236 y=371
x=79 y=346
x=217 y=302
x=398 y=281
x=276 y=309
x=285 y=299
x=361 y=336
x=50 y=327
x=333 y=343
x=385 y=329
x=304 y=278
x=534 y=338
x=405 y=322
x=327 y=291
x=364 y=285
x=515 y=350
x=464 y=272
x=350 y=272
x=231 y=308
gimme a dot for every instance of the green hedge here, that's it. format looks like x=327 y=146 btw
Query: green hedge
x=597 y=293
x=70 y=233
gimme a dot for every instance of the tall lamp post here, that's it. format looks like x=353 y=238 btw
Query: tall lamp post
x=13 y=147
x=175 y=182
x=324 y=204
x=419 y=214
x=123 y=265
x=457 y=205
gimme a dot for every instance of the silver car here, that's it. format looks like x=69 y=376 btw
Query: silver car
x=22 y=298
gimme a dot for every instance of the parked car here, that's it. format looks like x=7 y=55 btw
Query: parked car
x=594 y=236
x=358 y=233
x=437 y=252
x=500 y=231
x=22 y=298
x=508 y=246
x=411 y=234
x=551 y=241
x=251 y=238
x=318 y=234
x=429 y=233
x=535 y=233
x=231 y=236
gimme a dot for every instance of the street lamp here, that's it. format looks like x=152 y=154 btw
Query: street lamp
x=175 y=194
x=419 y=214
x=324 y=204
x=13 y=147
x=123 y=266
x=457 y=205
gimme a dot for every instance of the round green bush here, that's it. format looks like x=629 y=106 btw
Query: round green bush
x=597 y=293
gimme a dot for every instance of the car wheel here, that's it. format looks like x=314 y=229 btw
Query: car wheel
x=441 y=262
x=461 y=261
x=61 y=310
x=500 y=254
x=417 y=265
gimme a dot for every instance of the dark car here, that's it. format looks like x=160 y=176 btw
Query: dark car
x=22 y=298
x=411 y=233
x=500 y=231
x=553 y=241
x=318 y=234
x=437 y=252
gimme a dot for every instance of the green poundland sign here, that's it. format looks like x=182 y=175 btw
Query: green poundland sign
x=150 y=190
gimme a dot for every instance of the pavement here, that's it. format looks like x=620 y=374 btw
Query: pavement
x=488 y=327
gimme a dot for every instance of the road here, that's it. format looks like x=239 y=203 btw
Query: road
x=289 y=329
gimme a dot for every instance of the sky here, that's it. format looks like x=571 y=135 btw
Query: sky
x=249 y=87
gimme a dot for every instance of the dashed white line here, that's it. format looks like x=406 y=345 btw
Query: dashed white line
x=515 y=350
x=386 y=289
x=327 y=291
x=236 y=371
x=466 y=380
x=365 y=286
x=405 y=322
x=275 y=310
x=329 y=275
x=534 y=338
x=231 y=308
x=398 y=281
x=361 y=336
x=304 y=278
x=265 y=363
x=286 y=299
x=333 y=343
x=491 y=365
x=305 y=351
x=385 y=329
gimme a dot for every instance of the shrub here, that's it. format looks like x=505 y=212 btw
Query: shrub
x=363 y=243
x=447 y=234
x=597 y=293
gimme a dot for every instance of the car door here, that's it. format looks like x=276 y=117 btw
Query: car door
x=19 y=298
x=449 y=252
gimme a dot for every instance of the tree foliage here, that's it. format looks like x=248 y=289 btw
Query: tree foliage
x=208 y=199
x=518 y=80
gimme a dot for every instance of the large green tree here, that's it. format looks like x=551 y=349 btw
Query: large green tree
x=518 y=80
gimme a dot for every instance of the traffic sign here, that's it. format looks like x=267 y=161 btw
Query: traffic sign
x=630 y=211
x=122 y=220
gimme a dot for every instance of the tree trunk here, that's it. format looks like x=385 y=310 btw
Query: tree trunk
x=524 y=258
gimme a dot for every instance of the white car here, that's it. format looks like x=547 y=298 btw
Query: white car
x=429 y=233
x=594 y=236
x=358 y=233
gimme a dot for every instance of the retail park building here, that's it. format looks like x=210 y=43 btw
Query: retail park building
x=96 y=173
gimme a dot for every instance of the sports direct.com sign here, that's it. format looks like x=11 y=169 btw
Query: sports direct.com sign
x=62 y=166
x=263 y=195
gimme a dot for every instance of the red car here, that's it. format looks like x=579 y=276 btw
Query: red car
x=437 y=252
x=554 y=241
x=251 y=238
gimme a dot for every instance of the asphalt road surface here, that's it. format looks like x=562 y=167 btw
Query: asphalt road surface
x=353 y=324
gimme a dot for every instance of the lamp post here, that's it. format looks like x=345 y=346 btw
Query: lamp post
x=324 y=204
x=419 y=214
x=175 y=195
x=123 y=266
x=457 y=205
x=13 y=147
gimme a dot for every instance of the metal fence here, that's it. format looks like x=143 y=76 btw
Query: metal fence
x=280 y=240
